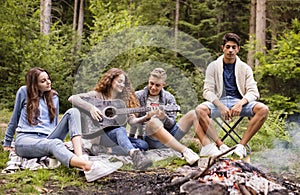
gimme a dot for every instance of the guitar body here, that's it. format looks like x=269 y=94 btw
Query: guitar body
x=115 y=114
x=92 y=128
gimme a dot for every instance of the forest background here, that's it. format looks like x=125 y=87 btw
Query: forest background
x=77 y=40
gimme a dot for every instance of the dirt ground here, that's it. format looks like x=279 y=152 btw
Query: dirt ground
x=124 y=182
x=153 y=182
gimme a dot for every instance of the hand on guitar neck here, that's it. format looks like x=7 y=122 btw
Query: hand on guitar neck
x=158 y=112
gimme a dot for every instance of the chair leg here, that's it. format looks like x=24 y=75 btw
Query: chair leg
x=231 y=130
x=227 y=132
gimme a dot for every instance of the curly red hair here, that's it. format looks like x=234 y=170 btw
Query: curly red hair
x=104 y=86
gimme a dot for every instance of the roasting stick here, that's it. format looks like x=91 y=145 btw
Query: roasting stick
x=212 y=160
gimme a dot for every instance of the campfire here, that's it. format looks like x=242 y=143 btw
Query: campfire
x=239 y=176
x=217 y=175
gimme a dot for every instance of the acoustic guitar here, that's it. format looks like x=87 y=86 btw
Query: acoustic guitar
x=114 y=113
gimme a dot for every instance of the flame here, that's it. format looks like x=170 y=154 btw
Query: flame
x=214 y=177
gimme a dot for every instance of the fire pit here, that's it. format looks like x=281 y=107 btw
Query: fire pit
x=226 y=176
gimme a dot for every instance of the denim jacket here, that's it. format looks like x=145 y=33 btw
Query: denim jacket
x=165 y=98
x=19 y=123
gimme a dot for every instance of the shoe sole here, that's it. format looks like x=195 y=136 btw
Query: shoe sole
x=193 y=162
x=117 y=165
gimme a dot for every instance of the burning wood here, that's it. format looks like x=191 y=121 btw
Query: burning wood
x=236 y=176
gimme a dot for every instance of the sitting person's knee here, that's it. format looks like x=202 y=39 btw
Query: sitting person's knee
x=263 y=110
x=200 y=110
x=153 y=125
x=57 y=143
x=73 y=111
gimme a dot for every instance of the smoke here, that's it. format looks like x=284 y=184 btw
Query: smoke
x=285 y=156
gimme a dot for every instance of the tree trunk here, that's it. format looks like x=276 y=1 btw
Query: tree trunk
x=75 y=15
x=80 y=24
x=45 y=20
x=176 y=25
x=260 y=27
x=250 y=58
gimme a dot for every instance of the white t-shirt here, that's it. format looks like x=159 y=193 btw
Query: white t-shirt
x=153 y=100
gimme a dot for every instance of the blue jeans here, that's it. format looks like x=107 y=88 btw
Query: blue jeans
x=229 y=102
x=35 y=145
x=155 y=144
x=120 y=143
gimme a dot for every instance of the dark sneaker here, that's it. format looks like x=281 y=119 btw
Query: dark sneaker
x=100 y=169
x=98 y=149
x=140 y=161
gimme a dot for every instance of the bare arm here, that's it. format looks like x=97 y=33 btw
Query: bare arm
x=77 y=100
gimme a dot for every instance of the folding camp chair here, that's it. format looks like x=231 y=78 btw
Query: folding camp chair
x=231 y=130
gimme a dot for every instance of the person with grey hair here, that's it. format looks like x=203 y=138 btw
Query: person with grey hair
x=161 y=130
x=230 y=90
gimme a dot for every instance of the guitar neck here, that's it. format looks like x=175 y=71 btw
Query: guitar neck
x=119 y=106
x=132 y=110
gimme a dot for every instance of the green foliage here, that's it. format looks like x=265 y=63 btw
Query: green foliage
x=5 y=115
x=156 y=12
x=280 y=15
x=19 y=23
x=23 y=47
x=277 y=101
x=170 y=163
x=274 y=128
x=279 y=72
x=4 y=158
x=108 y=19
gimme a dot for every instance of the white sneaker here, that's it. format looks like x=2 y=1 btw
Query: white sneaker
x=100 y=169
x=53 y=163
x=85 y=157
x=210 y=150
x=190 y=156
x=240 y=150
x=223 y=148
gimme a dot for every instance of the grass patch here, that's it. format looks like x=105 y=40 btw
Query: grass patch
x=170 y=163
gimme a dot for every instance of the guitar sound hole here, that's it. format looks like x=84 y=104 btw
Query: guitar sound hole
x=110 y=112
